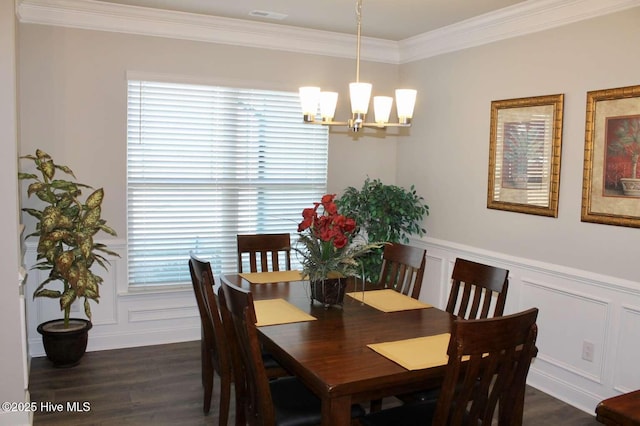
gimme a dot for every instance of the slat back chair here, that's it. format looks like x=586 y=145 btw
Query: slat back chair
x=262 y=248
x=403 y=268
x=488 y=364
x=473 y=288
x=260 y=401
x=489 y=360
x=214 y=351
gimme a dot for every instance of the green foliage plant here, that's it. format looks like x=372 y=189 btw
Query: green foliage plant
x=66 y=228
x=386 y=213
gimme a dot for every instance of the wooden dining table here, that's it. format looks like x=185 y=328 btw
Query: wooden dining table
x=330 y=354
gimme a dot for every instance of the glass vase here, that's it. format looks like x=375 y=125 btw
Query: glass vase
x=329 y=291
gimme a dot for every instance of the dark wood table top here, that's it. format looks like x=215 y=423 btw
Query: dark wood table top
x=621 y=410
x=331 y=356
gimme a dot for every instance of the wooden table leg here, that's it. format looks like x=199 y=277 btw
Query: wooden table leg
x=336 y=411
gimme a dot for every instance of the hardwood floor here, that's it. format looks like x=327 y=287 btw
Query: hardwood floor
x=160 y=385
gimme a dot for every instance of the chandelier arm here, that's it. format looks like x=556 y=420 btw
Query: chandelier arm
x=386 y=124
x=355 y=127
x=360 y=96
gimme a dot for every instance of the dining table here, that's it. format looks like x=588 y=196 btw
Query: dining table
x=337 y=351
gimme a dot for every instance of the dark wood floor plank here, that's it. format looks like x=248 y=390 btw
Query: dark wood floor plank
x=161 y=385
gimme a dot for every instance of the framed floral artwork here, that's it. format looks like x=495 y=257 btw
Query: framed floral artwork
x=524 y=155
x=611 y=178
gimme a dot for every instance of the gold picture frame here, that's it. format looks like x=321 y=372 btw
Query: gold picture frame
x=524 y=155
x=610 y=194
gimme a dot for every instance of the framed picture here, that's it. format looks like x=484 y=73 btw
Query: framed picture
x=524 y=155
x=611 y=177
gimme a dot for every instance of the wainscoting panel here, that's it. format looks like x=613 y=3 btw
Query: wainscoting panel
x=627 y=372
x=577 y=308
x=581 y=320
x=121 y=319
x=434 y=272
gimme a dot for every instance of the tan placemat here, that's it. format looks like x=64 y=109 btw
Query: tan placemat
x=278 y=311
x=418 y=353
x=388 y=300
x=271 y=277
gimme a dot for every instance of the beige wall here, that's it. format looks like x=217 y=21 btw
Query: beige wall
x=447 y=154
x=12 y=367
x=73 y=99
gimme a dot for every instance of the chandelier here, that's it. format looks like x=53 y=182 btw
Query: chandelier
x=360 y=94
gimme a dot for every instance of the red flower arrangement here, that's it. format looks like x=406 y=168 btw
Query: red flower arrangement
x=330 y=249
x=328 y=226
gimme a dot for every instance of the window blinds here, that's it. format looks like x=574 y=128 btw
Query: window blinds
x=206 y=163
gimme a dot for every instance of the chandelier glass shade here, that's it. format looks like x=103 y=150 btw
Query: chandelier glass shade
x=312 y=97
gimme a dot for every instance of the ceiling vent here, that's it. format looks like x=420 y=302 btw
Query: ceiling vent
x=267 y=15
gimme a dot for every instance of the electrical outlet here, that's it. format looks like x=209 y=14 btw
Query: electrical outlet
x=587 y=350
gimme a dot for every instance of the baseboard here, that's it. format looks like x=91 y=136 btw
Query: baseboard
x=101 y=342
x=564 y=391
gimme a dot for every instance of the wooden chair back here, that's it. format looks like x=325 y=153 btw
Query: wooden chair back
x=473 y=288
x=254 y=405
x=214 y=351
x=264 y=250
x=489 y=360
x=403 y=268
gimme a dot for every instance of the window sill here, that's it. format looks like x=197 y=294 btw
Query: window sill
x=151 y=290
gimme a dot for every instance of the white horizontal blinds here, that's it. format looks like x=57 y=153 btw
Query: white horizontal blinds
x=206 y=163
x=526 y=159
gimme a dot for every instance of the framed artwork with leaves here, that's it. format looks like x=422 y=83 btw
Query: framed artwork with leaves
x=524 y=155
x=611 y=176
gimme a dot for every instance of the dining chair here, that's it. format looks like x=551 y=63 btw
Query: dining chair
x=260 y=401
x=488 y=363
x=403 y=268
x=265 y=251
x=215 y=355
x=473 y=288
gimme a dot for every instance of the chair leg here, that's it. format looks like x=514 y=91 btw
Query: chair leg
x=511 y=409
x=225 y=397
x=203 y=356
x=207 y=375
x=241 y=401
x=376 y=405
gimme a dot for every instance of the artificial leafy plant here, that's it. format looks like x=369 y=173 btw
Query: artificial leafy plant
x=386 y=213
x=65 y=229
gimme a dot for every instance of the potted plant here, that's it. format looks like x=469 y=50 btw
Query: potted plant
x=626 y=144
x=386 y=213
x=330 y=250
x=65 y=228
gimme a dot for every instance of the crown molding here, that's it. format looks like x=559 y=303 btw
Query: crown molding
x=523 y=18
x=517 y=20
x=94 y=15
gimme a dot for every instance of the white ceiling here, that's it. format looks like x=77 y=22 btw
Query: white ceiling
x=387 y=19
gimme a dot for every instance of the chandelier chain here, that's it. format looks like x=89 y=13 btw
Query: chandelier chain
x=358 y=35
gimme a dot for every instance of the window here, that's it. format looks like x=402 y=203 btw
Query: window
x=205 y=163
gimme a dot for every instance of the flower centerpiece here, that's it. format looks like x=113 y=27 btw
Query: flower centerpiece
x=330 y=250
